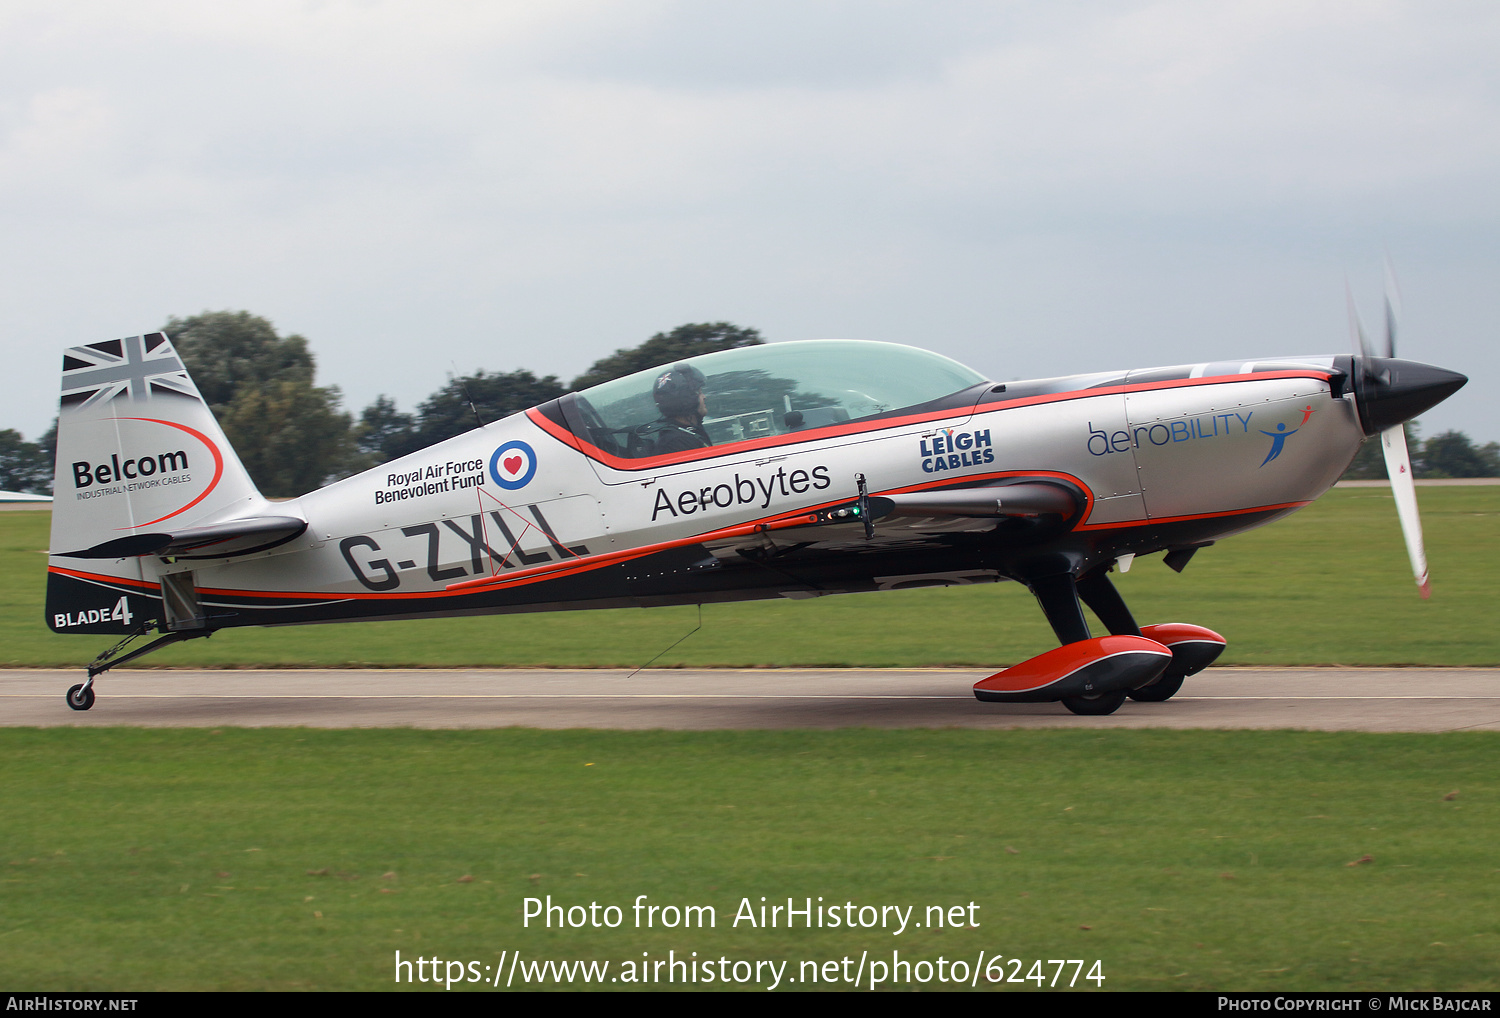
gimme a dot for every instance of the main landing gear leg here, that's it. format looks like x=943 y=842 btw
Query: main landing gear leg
x=1101 y=596
x=81 y=696
x=1059 y=600
x=1058 y=596
x=1088 y=675
x=1193 y=647
x=1105 y=601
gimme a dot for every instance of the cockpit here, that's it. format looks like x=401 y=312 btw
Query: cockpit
x=761 y=394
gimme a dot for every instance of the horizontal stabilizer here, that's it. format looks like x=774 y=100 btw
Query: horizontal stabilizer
x=993 y=500
x=237 y=537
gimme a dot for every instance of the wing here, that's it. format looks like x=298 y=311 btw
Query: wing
x=898 y=520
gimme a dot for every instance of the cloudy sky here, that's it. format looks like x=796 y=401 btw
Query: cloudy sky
x=1031 y=188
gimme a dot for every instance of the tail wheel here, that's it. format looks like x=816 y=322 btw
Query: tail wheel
x=81 y=697
x=1163 y=688
x=1099 y=704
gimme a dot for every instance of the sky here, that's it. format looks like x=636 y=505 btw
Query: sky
x=1033 y=189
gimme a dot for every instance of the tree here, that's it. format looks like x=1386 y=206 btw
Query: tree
x=289 y=433
x=665 y=347
x=447 y=413
x=1369 y=462
x=384 y=433
x=1452 y=454
x=1490 y=452
x=25 y=466
x=225 y=350
x=48 y=445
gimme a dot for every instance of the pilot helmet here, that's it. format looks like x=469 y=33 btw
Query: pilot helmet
x=676 y=390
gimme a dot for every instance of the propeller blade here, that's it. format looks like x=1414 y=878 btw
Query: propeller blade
x=1392 y=308
x=1391 y=392
x=1357 y=337
x=1404 y=488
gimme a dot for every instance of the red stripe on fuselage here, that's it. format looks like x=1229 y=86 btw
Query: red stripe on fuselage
x=102 y=578
x=1155 y=520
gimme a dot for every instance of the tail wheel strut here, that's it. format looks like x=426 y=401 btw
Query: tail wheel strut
x=81 y=696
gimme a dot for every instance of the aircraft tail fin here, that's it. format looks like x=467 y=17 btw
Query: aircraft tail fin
x=138 y=453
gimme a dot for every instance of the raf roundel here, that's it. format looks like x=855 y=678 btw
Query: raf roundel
x=513 y=465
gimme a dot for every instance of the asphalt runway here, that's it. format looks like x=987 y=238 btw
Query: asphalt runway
x=1328 y=699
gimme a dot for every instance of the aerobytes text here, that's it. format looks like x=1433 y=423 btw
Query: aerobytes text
x=455 y=475
x=740 y=491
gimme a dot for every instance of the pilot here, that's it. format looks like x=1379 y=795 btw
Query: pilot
x=679 y=396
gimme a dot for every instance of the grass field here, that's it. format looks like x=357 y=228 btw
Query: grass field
x=305 y=859
x=1329 y=585
x=298 y=859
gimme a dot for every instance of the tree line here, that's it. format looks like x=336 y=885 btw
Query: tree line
x=293 y=435
x=1449 y=454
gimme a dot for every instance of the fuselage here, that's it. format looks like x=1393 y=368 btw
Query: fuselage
x=1159 y=459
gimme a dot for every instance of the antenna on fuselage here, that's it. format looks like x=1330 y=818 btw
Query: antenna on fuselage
x=467 y=398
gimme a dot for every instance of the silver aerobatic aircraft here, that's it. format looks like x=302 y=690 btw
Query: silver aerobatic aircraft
x=790 y=470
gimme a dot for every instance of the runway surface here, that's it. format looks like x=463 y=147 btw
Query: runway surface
x=1330 y=699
